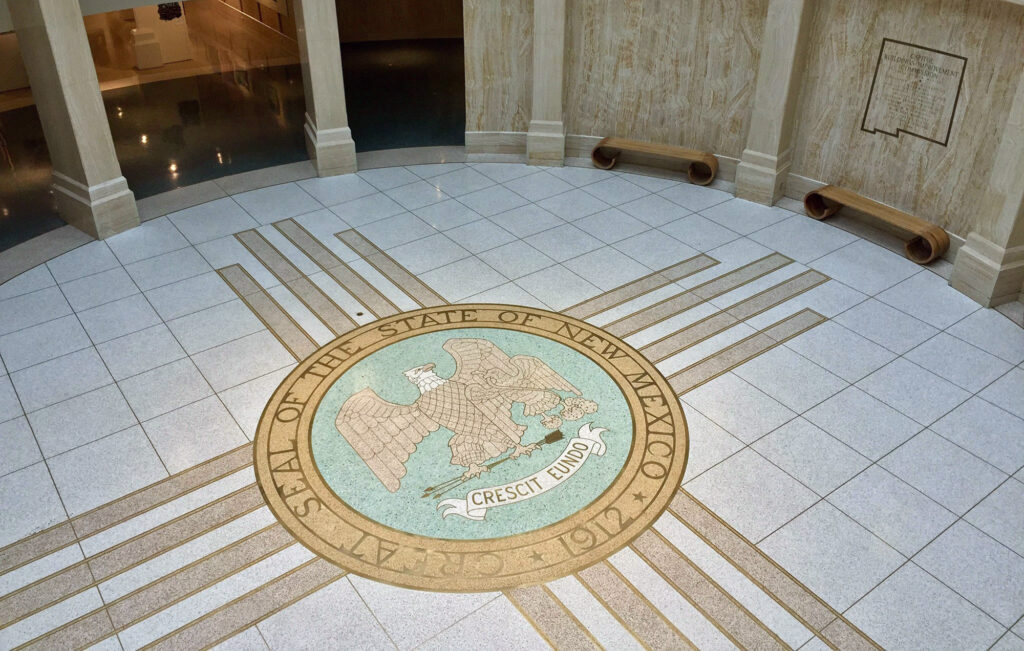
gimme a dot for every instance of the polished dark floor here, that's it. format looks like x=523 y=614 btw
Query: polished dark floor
x=405 y=93
x=170 y=134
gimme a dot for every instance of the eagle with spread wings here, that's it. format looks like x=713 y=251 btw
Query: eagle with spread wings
x=475 y=404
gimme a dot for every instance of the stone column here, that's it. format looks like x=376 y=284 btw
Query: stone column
x=328 y=138
x=989 y=266
x=91 y=193
x=765 y=162
x=545 y=141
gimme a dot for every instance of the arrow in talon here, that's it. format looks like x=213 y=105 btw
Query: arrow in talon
x=445 y=486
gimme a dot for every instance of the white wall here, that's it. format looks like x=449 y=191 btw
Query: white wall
x=95 y=7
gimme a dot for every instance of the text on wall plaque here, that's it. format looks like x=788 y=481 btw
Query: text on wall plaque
x=915 y=91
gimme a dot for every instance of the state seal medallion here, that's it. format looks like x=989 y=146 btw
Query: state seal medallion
x=470 y=448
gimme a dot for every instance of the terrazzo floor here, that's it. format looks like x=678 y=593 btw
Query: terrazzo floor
x=856 y=483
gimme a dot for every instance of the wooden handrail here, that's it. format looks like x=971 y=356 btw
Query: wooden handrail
x=702 y=166
x=928 y=242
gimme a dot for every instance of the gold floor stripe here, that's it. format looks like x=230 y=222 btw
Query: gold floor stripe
x=252 y=607
x=708 y=327
x=199 y=575
x=743 y=350
x=36 y=546
x=278 y=321
x=841 y=634
x=335 y=267
x=319 y=303
x=391 y=270
x=45 y=592
x=639 y=287
x=171 y=534
x=632 y=609
x=78 y=634
x=162 y=492
x=549 y=616
x=179 y=584
x=650 y=315
x=789 y=593
x=36 y=596
x=720 y=608
x=124 y=508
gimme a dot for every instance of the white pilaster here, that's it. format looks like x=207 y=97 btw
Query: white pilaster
x=766 y=159
x=545 y=140
x=328 y=138
x=91 y=193
x=990 y=265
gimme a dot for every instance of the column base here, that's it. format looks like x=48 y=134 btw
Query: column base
x=545 y=143
x=100 y=210
x=760 y=177
x=332 y=151
x=988 y=273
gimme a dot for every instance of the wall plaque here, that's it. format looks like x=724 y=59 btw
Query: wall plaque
x=915 y=91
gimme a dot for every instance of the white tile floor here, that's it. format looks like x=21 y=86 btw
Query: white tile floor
x=879 y=457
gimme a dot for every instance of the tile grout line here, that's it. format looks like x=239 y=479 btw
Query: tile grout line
x=77 y=536
x=798 y=353
x=199 y=370
x=873 y=463
x=701 y=575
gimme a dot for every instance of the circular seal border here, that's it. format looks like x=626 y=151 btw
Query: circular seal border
x=301 y=500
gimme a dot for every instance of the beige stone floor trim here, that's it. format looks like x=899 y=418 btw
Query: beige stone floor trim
x=410 y=156
x=640 y=287
x=319 y=303
x=252 y=607
x=266 y=177
x=390 y=269
x=744 y=350
x=633 y=610
x=374 y=301
x=551 y=619
x=719 y=607
x=669 y=307
x=164 y=203
x=269 y=311
x=680 y=340
x=793 y=596
x=20 y=258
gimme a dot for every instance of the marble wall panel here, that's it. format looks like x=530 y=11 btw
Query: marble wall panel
x=671 y=71
x=943 y=184
x=499 y=54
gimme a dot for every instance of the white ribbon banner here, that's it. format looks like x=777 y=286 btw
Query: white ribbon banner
x=577 y=450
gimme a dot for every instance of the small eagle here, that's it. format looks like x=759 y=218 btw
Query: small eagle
x=475 y=404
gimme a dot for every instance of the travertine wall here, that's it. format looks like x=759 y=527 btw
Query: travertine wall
x=499 y=52
x=940 y=183
x=684 y=72
x=672 y=71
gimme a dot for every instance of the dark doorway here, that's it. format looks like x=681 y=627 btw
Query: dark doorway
x=404 y=68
